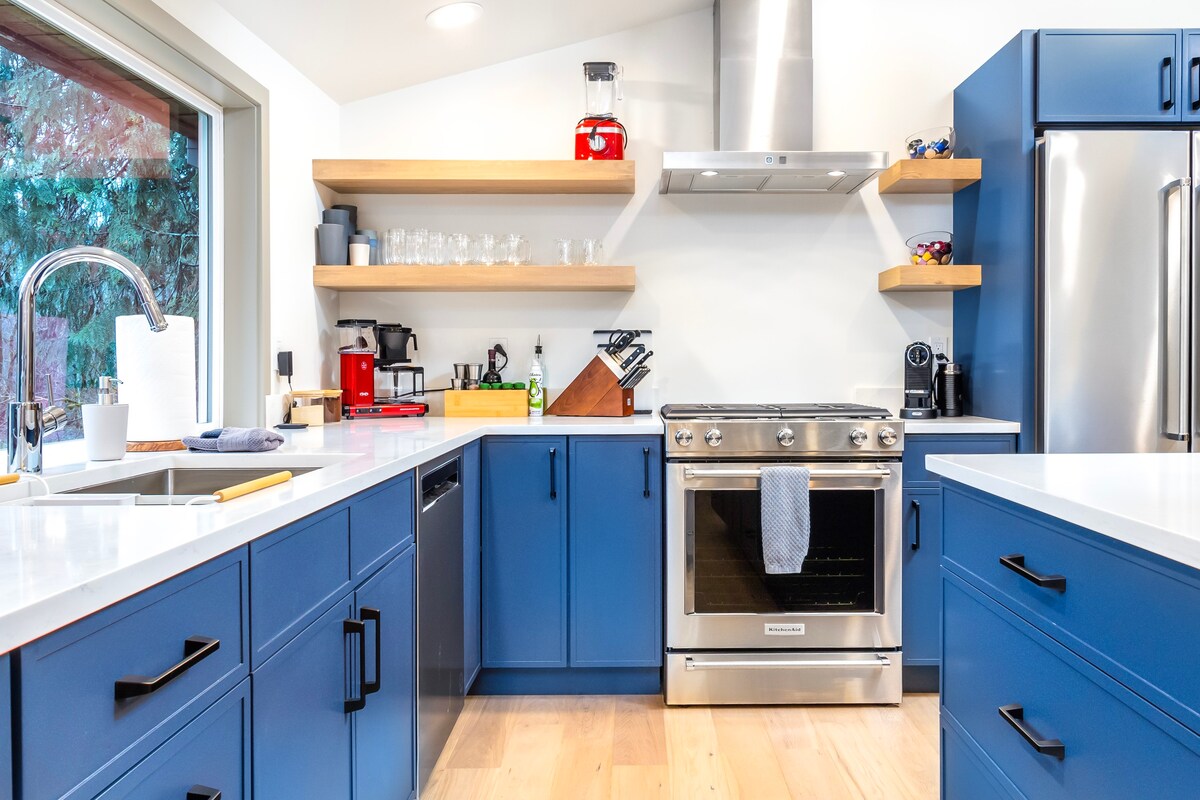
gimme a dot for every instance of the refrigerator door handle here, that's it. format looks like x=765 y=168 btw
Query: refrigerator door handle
x=1177 y=292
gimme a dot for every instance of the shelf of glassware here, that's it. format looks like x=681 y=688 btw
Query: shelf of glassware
x=528 y=278
x=412 y=176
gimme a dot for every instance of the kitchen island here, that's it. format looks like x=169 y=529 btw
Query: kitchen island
x=1069 y=632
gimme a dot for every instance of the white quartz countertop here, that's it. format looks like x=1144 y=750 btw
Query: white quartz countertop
x=60 y=564
x=1149 y=500
x=964 y=425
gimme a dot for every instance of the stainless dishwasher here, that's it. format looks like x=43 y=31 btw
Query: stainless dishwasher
x=439 y=608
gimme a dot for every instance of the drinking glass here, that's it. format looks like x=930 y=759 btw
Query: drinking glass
x=393 y=246
x=485 y=249
x=516 y=249
x=564 y=251
x=459 y=249
x=435 y=248
x=415 y=243
x=591 y=251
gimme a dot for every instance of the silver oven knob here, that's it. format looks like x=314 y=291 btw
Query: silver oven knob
x=785 y=437
x=683 y=437
x=887 y=437
x=858 y=437
x=713 y=437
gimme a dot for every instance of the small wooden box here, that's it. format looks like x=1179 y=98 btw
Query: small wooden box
x=487 y=403
x=317 y=406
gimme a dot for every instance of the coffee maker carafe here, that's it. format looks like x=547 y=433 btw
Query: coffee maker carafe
x=393 y=357
x=356 y=354
x=918 y=382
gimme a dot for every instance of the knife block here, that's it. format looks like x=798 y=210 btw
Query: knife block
x=594 y=393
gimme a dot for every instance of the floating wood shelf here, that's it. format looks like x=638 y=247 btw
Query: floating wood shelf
x=403 y=278
x=373 y=176
x=911 y=278
x=930 y=175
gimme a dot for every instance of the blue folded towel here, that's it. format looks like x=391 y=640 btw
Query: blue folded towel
x=235 y=440
x=786 y=518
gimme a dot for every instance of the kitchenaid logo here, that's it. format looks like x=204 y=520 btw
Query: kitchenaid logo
x=783 y=630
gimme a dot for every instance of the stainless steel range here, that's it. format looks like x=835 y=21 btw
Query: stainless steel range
x=829 y=634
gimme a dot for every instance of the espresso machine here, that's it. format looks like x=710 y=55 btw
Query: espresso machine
x=918 y=382
x=357 y=360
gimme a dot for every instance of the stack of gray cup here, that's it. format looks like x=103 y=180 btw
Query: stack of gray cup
x=333 y=237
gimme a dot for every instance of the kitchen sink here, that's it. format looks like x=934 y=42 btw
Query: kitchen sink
x=184 y=481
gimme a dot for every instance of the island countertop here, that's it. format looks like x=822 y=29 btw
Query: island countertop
x=1148 y=500
x=59 y=564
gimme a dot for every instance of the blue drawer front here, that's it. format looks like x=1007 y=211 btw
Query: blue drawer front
x=1121 y=611
x=212 y=752
x=381 y=525
x=1116 y=745
x=67 y=703
x=922 y=609
x=917 y=447
x=6 y=772
x=965 y=773
x=294 y=574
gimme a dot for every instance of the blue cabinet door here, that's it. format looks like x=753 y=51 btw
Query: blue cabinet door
x=922 y=576
x=301 y=730
x=384 y=730
x=382 y=523
x=1109 y=76
x=525 y=551
x=1191 y=76
x=616 y=551
x=472 y=635
x=6 y=773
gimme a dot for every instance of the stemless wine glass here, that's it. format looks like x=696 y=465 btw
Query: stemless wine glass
x=516 y=249
x=460 y=249
x=435 y=248
x=393 y=246
x=415 y=242
x=564 y=251
x=485 y=249
x=592 y=251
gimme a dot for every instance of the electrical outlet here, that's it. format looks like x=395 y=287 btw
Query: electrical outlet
x=498 y=340
x=938 y=343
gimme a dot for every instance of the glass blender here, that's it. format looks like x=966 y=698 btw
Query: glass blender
x=356 y=352
x=599 y=136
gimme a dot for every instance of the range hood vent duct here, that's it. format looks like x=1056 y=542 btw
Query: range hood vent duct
x=764 y=111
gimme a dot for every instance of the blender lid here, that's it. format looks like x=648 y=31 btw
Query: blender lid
x=600 y=70
x=355 y=323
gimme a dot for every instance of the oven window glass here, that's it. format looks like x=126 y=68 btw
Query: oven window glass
x=838 y=574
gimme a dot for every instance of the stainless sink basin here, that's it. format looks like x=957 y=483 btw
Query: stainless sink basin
x=185 y=481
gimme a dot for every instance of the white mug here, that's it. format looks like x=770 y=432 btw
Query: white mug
x=104 y=431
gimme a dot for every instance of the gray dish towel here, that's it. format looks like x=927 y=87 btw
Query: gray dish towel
x=236 y=440
x=786 y=521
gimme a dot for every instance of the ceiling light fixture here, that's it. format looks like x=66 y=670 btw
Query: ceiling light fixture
x=835 y=173
x=454 y=15
x=708 y=173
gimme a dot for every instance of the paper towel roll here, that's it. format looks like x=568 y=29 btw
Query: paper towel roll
x=158 y=377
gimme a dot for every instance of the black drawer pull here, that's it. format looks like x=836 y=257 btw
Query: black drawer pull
x=1193 y=74
x=1015 y=715
x=1168 y=97
x=199 y=792
x=645 y=472
x=1016 y=562
x=916 y=542
x=373 y=615
x=553 y=474
x=354 y=627
x=195 y=650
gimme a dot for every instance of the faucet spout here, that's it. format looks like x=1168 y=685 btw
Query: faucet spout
x=27 y=423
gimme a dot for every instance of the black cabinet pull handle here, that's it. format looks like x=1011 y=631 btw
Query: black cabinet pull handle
x=1193 y=81
x=354 y=627
x=646 y=472
x=1015 y=715
x=1016 y=562
x=916 y=542
x=199 y=792
x=195 y=650
x=372 y=615
x=553 y=475
x=1168 y=69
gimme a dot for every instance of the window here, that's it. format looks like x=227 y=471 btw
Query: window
x=93 y=152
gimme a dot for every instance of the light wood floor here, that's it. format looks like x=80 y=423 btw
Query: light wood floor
x=634 y=747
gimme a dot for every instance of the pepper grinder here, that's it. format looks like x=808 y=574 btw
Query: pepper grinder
x=106 y=424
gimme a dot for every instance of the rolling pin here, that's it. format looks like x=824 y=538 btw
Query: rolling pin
x=242 y=489
x=11 y=477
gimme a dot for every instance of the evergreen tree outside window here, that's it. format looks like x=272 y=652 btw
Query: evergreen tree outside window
x=91 y=153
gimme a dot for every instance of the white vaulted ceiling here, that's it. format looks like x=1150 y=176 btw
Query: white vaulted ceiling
x=359 y=48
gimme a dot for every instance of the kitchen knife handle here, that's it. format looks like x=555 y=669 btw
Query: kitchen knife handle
x=373 y=615
x=1168 y=70
x=553 y=474
x=1015 y=715
x=916 y=542
x=645 y=472
x=1193 y=81
x=354 y=627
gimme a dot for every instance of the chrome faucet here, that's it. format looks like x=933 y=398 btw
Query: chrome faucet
x=28 y=424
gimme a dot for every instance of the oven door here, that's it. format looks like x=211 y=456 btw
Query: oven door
x=847 y=595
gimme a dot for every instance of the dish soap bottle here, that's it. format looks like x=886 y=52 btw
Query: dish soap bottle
x=537 y=382
x=105 y=424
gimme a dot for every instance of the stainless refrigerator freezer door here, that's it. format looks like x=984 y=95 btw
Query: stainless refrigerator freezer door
x=1113 y=231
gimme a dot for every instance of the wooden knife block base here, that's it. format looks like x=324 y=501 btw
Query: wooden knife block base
x=593 y=393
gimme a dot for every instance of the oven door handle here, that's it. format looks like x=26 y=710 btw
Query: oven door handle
x=874 y=661
x=690 y=473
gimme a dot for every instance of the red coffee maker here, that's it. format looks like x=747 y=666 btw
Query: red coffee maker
x=357 y=355
x=599 y=136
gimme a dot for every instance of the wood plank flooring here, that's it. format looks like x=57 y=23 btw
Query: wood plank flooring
x=635 y=748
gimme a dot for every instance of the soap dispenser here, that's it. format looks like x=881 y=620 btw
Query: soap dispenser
x=105 y=424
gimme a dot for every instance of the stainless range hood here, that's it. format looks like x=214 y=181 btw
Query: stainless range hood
x=764 y=111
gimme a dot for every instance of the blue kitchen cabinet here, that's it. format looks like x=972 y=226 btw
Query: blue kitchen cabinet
x=382 y=524
x=616 y=551
x=7 y=789
x=472 y=564
x=922 y=581
x=384 y=729
x=1096 y=76
x=967 y=770
x=1191 y=76
x=525 y=551
x=208 y=759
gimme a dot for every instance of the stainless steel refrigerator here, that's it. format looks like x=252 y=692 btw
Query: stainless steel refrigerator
x=1118 y=251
